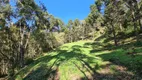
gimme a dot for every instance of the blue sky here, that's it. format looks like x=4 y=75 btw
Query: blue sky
x=68 y=9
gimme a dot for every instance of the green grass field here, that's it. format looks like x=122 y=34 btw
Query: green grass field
x=86 y=60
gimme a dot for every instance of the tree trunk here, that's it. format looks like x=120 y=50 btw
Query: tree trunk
x=135 y=27
x=21 y=56
x=27 y=40
x=140 y=24
x=93 y=35
x=83 y=33
x=22 y=51
x=11 y=67
x=70 y=38
x=136 y=31
x=121 y=28
x=114 y=34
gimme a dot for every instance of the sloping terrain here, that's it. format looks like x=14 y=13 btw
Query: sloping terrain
x=84 y=60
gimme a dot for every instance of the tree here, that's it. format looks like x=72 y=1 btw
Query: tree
x=134 y=7
x=113 y=16
x=8 y=39
x=31 y=16
x=95 y=18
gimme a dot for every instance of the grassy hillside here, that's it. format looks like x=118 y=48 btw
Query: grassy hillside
x=85 y=60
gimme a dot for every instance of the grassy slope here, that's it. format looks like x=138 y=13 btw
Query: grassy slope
x=84 y=60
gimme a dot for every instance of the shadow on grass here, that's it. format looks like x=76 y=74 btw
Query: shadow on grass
x=77 y=53
x=51 y=72
x=98 y=46
x=120 y=57
x=120 y=36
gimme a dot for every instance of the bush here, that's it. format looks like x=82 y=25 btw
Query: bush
x=138 y=44
x=28 y=61
x=34 y=49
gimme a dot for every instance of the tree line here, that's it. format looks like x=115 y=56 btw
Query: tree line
x=118 y=17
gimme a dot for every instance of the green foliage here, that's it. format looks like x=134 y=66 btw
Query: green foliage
x=9 y=47
x=34 y=49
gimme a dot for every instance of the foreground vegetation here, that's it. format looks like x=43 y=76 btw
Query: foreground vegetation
x=85 y=60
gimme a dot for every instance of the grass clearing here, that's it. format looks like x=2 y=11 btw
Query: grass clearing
x=84 y=60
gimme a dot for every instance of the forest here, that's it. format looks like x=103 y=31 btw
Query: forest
x=106 y=45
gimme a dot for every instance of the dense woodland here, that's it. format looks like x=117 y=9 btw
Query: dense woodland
x=28 y=31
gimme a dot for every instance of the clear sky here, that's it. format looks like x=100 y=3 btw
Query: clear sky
x=68 y=9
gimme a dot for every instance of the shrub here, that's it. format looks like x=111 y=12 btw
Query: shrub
x=28 y=61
